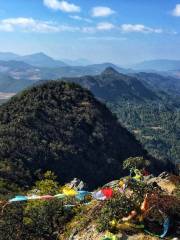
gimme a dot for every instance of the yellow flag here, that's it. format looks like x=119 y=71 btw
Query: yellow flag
x=121 y=182
x=69 y=192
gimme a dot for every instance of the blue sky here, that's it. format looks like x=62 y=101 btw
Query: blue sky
x=120 y=31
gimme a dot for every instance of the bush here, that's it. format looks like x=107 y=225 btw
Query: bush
x=45 y=219
x=114 y=209
x=135 y=162
x=11 y=222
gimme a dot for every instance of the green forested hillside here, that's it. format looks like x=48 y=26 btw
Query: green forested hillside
x=162 y=83
x=150 y=113
x=61 y=127
x=156 y=126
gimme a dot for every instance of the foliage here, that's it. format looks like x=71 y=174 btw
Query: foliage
x=50 y=220
x=135 y=162
x=61 y=127
x=177 y=191
x=155 y=124
x=47 y=185
x=11 y=222
x=45 y=220
x=114 y=209
x=121 y=204
x=141 y=106
x=8 y=188
x=36 y=219
x=144 y=107
x=151 y=114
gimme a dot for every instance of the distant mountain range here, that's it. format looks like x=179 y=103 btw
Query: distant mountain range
x=103 y=80
x=12 y=85
x=145 y=103
x=37 y=59
x=42 y=60
x=16 y=75
x=77 y=62
x=161 y=65
x=18 y=72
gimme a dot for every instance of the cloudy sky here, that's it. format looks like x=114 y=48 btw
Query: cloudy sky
x=120 y=31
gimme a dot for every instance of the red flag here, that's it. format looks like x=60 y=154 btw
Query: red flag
x=108 y=192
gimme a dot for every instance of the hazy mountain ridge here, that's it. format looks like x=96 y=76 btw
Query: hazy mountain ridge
x=36 y=59
x=27 y=74
x=77 y=62
x=12 y=85
x=42 y=67
x=158 y=65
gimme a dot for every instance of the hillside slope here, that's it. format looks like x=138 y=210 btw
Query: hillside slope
x=142 y=107
x=61 y=127
x=163 y=83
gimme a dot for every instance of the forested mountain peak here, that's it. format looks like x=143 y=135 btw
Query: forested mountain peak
x=111 y=85
x=61 y=127
x=110 y=71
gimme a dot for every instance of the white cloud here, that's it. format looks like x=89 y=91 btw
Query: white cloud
x=79 y=18
x=103 y=26
x=176 y=11
x=102 y=11
x=33 y=25
x=39 y=26
x=62 y=6
x=27 y=24
x=5 y=27
x=76 y=17
x=139 y=28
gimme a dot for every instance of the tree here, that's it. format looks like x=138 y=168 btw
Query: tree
x=48 y=185
x=135 y=163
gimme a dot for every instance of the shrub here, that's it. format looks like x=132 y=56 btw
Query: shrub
x=45 y=219
x=114 y=209
x=135 y=162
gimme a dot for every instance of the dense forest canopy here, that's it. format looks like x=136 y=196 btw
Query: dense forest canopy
x=151 y=114
x=61 y=127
